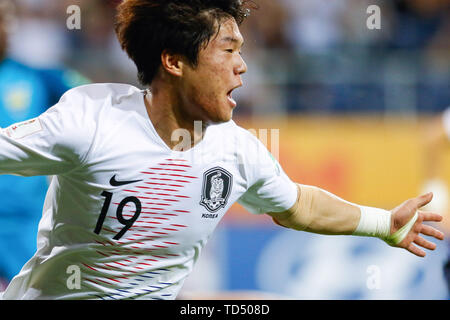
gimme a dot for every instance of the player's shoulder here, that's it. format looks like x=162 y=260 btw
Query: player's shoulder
x=88 y=101
x=100 y=91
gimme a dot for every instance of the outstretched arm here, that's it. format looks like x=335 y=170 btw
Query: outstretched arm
x=319 y=211
x=54 y=143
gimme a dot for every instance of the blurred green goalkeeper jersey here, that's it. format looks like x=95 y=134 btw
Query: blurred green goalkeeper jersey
x=125 y=216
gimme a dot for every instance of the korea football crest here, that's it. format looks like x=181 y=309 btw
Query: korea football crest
x=217 y=183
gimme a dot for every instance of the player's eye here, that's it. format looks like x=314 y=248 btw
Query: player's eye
x=229 y=50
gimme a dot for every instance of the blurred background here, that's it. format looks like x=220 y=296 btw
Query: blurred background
x=352 y=110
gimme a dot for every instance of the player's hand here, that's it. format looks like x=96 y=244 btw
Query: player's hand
x=413 y=240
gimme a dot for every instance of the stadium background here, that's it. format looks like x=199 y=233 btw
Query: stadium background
x=352 y=107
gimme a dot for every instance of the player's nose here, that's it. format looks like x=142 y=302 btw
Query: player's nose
x=241 y=67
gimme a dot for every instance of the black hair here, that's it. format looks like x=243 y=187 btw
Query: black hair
x=145 y=28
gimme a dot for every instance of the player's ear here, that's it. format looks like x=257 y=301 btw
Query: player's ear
x=172 y=63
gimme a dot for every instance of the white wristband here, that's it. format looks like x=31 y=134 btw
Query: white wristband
x=374 y=222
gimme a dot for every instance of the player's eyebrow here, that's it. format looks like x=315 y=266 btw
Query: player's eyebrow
x=233 y=40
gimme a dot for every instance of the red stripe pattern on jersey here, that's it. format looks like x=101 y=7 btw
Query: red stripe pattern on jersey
x=131 y=266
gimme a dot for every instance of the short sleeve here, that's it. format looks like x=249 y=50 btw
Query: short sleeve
x=53 y=143
x=270 y=189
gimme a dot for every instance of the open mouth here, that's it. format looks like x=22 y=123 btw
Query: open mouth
x=230 y=98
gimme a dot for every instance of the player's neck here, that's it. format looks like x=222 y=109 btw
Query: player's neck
x=167 y=116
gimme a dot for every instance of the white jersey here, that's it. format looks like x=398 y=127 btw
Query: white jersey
x=125 y=216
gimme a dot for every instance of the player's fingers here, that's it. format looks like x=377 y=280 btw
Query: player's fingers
x=424 y=243
x=423 y=199
x=415 y=250
x=429 y=216
x=432 y=232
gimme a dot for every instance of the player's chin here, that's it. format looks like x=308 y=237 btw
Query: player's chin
x=223 y=115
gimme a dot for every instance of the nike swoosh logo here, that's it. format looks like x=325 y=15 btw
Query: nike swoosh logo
x=116 y=183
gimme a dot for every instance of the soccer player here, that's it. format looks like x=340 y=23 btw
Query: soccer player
x=130 y=207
